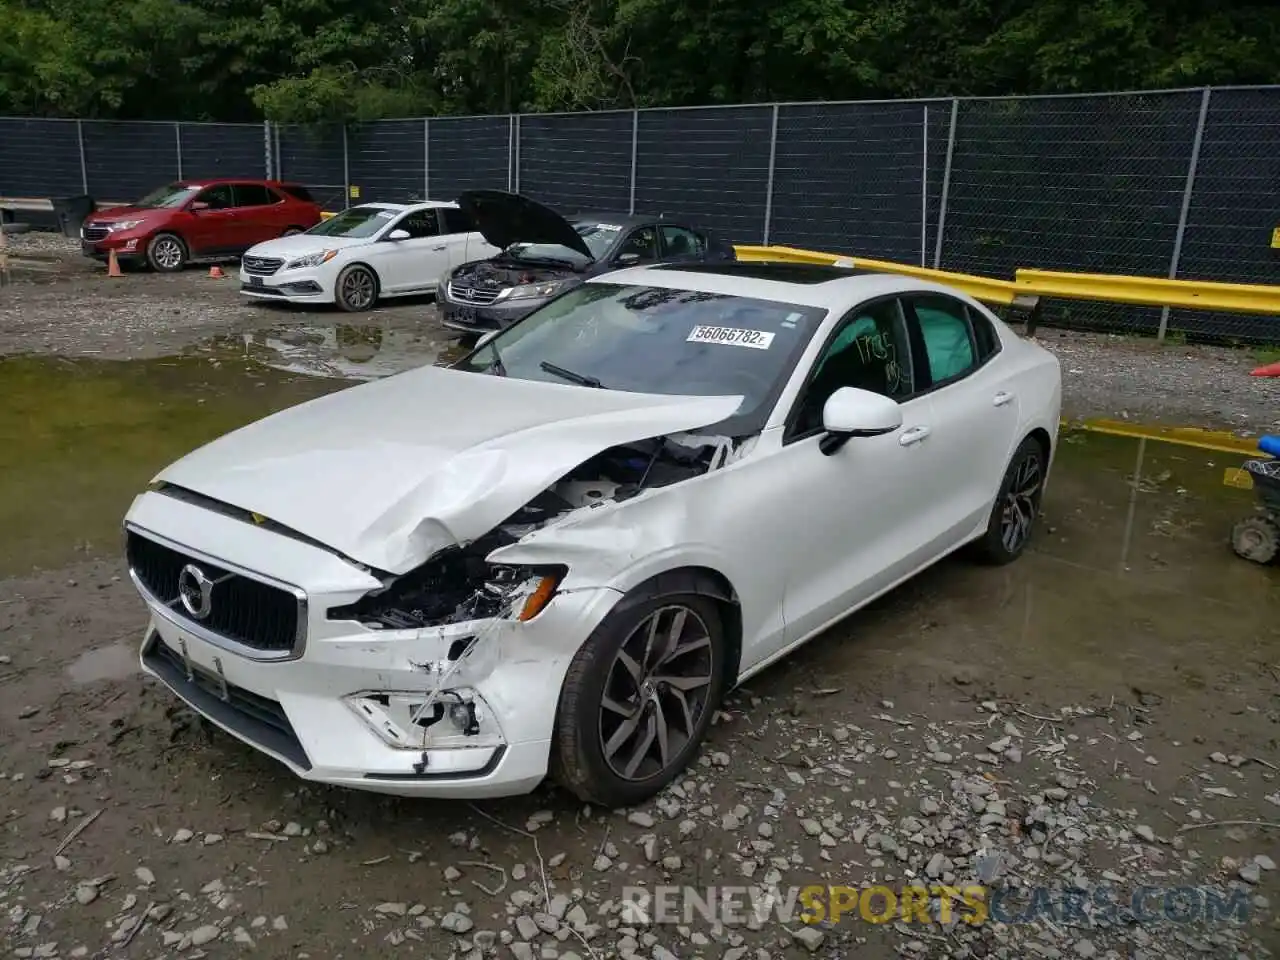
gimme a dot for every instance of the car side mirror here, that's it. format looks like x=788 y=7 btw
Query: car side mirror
x=850 y=412
x=197 y=206
x=626 y=259
x=397 y=235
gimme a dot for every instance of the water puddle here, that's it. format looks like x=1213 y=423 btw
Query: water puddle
x=80 y=438
x=344 y=351
x=119 y=661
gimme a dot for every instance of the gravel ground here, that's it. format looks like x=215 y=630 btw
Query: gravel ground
x=1101 y=717
x=60 y=303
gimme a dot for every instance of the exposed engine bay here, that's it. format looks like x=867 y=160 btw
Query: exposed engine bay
x=504 y=271
x=458 y=584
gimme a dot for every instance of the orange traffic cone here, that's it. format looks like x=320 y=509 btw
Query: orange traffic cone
x=113 y=265
x=216 y=272
x=1269 y=370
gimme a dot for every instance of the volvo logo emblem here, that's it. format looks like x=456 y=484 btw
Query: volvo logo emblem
x=196 y=591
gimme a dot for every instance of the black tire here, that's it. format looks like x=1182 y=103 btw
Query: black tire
x=167 y=253
x=356 y=288
x=1256 y=539
x=1017 y=505
x=579 y=758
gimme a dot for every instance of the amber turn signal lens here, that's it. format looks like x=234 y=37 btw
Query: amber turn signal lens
x=540 y=597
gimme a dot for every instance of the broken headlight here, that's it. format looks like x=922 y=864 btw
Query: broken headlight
x=454 y=587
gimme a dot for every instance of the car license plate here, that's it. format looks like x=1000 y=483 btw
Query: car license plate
x=465 y=315
x=255 y=281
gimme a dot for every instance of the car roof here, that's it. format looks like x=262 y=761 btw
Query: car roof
x=219 y=181
x=625 y=220
x=811 y=285
x=403 y=207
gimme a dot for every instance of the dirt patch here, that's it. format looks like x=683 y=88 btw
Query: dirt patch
x=1099 y=717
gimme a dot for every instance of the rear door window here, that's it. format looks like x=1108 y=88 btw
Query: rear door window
x=949 y=345
x=455 y=221
x=254 y=195
x=681 y=242
x=298 y=192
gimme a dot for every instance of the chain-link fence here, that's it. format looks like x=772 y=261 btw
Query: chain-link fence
x=1179 y=183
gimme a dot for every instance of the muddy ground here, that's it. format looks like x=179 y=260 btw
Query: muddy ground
x=1101 y=716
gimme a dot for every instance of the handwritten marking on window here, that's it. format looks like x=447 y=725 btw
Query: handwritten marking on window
x=880 y=347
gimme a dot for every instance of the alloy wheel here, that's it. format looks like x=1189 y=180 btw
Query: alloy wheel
x=358 y=289
x=655 y=693
x=168 y=253
x=1021 y=501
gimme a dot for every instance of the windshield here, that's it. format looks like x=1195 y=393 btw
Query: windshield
x=599 y=237
x=657 y=340
x=173 y=195
x=357 y=222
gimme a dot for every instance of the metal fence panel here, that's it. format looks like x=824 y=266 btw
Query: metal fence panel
x=849 y=178
x=577 y=161
x=39 y=158
x=313 y=157
x=125 y=161
x=940 y=114
x=468 y=153
x=1235 y=206
x=1093 y=184
x=386 y=160
x=222 y=150
x=710 y=165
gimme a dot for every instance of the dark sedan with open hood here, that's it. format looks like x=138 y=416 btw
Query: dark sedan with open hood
x=544 y=254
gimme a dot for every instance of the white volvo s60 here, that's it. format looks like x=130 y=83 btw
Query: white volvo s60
x=557 y=555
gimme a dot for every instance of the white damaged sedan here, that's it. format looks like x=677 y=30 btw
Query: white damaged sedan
x=557 y=555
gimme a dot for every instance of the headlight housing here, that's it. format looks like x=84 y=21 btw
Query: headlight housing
x=529 y=291
x=120 y=225
x=311 y=260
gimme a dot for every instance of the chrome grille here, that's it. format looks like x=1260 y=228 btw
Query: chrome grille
x=261 y=266
x=467 y=294
x=243 y=610
x=93 y=232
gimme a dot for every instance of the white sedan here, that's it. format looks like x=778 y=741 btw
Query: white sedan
x=364 y=254
x=559 y=554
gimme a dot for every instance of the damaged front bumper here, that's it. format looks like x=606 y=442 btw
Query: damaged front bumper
x=463 y=709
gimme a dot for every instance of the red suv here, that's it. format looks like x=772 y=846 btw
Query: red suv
x=201 y=219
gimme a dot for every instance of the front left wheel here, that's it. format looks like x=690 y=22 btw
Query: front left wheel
x=356 y=288
x=638 y=698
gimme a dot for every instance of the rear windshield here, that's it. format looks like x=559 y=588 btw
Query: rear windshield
x=659 y=340
x=298 y=191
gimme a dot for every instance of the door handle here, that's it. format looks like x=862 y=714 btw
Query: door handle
x=442 y=246
x=1001 y=398
x=914 y=435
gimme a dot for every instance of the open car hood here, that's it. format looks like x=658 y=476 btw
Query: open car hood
x=507 y=218
x=390 y=472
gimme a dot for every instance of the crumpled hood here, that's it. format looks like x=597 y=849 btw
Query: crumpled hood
x=390 y=472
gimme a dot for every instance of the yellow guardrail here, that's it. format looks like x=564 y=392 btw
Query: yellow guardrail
x=986 y=289
x=1151 y=291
